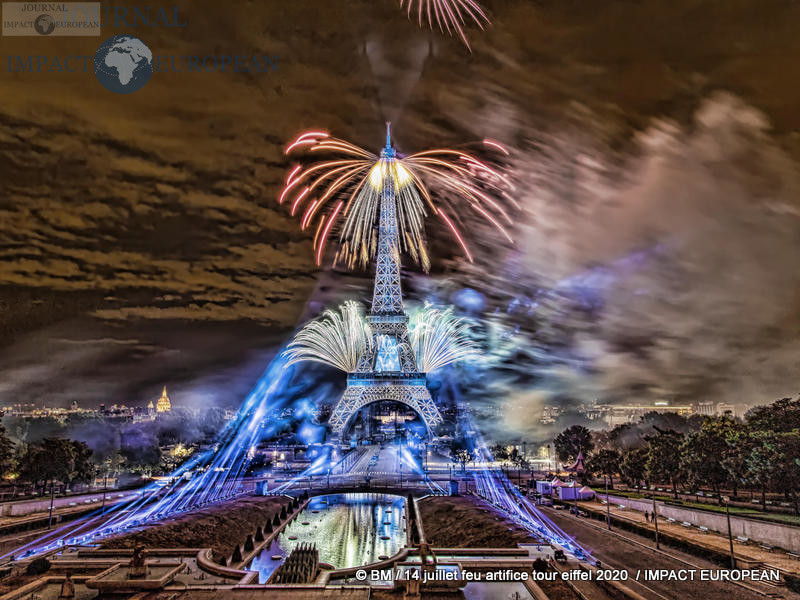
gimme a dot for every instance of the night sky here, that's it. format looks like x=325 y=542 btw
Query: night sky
x=654 y=147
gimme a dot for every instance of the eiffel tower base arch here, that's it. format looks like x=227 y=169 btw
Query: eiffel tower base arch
x=414 y=395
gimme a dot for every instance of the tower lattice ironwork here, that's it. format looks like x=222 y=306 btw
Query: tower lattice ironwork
x=388 y=370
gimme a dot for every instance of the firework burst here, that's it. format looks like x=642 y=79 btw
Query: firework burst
x=446 y=15
x=439 y=338
x=337 y=339
x=345 y=193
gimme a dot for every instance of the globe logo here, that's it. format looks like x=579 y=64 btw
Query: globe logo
x=123 y=64
x=44 y=24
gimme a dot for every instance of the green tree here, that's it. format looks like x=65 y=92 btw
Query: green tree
x=572 y=441
x=633 y=467
x=789 y=457
x=664 y=458
x=83 y=469
x=19 y=457
x=460 y=452
x=765 y=462
x=740 y=442
x=702 y=452
x=774 y=464
x=604 y=439
x=780 y=416
x=7 y=452
x=51 y=460
x=606 y=462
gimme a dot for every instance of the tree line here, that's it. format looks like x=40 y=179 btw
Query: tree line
x=45 y=463
x=760 y=452
x=43 y=451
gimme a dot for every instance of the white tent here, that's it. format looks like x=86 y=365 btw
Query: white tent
x=544 y=487
x=566 y=491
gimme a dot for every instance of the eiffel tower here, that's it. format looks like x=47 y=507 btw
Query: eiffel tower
x=388 y=370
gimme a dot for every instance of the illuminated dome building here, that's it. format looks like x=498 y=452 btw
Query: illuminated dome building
x=163 y=405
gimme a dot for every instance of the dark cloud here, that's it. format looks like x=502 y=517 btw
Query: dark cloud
x=655 y=160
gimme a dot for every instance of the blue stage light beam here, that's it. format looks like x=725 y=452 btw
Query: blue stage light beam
x=205 y=479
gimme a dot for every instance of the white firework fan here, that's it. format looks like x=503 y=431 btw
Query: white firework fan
x=337 y=339
x=439 y=338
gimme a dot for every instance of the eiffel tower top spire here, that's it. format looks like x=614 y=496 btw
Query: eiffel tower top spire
x=388 y=151
x=387 y=295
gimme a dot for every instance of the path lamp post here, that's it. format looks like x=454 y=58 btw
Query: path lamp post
x=105 y=490
x=608 y=507
x=655 y=517
x=575 y=496
x=727 y=500
x=50 y=517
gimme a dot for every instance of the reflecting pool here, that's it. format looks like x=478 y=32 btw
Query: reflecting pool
x=348 y=529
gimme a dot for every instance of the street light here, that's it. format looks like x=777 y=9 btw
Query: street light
x=608 y=506
x=655 y=516
x=105 y=489
x=52 y=499
x=727 y=500
x=575 y=495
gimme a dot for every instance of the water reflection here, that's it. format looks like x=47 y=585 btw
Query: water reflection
x=348 y=530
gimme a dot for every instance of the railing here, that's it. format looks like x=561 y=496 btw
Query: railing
x=340 y=483
x=348 y=459
x=388 y=377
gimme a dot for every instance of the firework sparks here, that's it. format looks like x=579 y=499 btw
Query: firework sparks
x=337 y=339
x=439 y=338
x=448 y=15
x=344 y=195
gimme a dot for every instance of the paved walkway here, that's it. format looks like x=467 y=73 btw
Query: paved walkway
x=708 y=539
x=80 y=503
x=618 y=549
